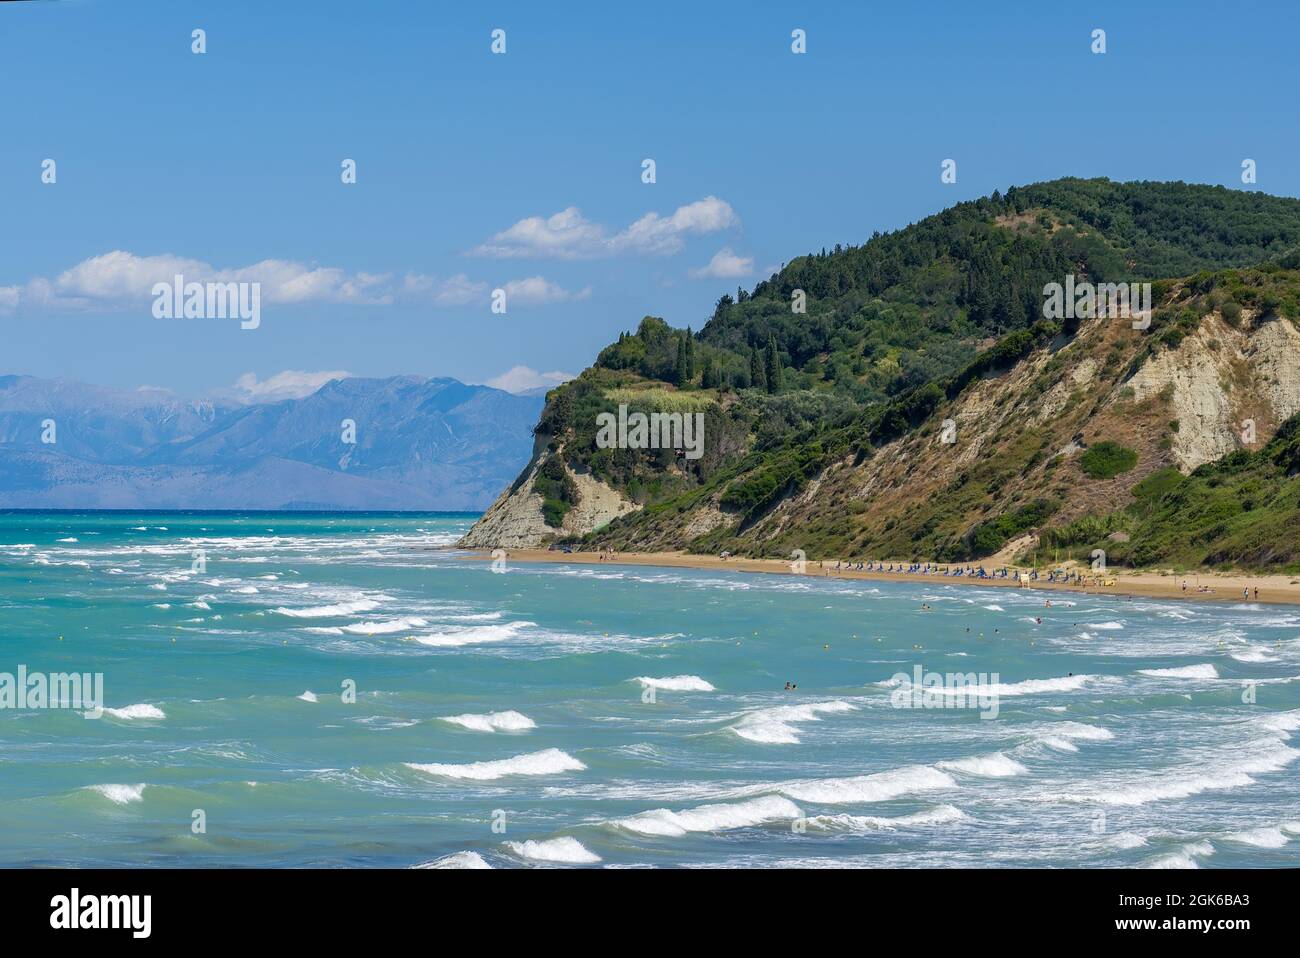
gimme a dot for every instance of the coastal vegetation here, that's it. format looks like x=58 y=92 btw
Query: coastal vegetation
x=824 y=428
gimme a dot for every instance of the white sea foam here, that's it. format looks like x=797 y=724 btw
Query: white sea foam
x=995 y=608
x=1125 y=840
x=404 y=624
x=566 y=850
x=1234 y=767
x=456 y=860
x=140 y=710
x=1184 y=857
x=1106 y=626
x=1282 y=721
x=330 y=611
x=1265 y=837
x=676 y=683
x=308 y=696
x=938 y=815
x=1061 y=735
x=711 y=818
x=549 y=761
x=453 y=638
x=1064 y=683
x=1204 y=671
x=997 y=765
x=776 y=725
x=878 y=787
x=120 y=794
x=492 y=721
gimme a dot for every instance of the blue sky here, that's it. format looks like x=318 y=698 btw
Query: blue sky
x=230 y=160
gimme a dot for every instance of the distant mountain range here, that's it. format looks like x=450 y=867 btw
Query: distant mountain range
x=420 y=444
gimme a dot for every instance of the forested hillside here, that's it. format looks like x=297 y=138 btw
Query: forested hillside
x=823 y=388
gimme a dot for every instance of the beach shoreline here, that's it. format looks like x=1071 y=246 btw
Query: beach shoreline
x=1226 y=587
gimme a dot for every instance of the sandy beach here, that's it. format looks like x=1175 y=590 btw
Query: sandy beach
x=1222 y=587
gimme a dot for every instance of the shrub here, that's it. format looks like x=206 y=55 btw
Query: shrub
x=1106 y=459
x=558 y=491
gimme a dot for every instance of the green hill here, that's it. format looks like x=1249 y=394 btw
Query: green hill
x=842 y=400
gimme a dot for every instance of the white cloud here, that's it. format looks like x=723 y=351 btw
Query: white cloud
x=725 y=265
x=458 y=290
x=120 y=275
x=520 y=379
x=536 y=291
x=655 y=234
x=569 y=235
x=290 y=384
x=120 y=279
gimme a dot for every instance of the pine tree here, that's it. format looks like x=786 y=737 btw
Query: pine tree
x=681 y=375
x=756 y=377
x=690 y=355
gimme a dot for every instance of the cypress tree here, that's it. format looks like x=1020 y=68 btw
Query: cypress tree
x=773 y=371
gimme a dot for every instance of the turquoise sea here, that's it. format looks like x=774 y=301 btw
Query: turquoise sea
x=612 y=715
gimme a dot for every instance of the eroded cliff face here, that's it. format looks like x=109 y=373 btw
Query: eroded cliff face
x=516 y=520
x=1220 y=381
x=1018 y=437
